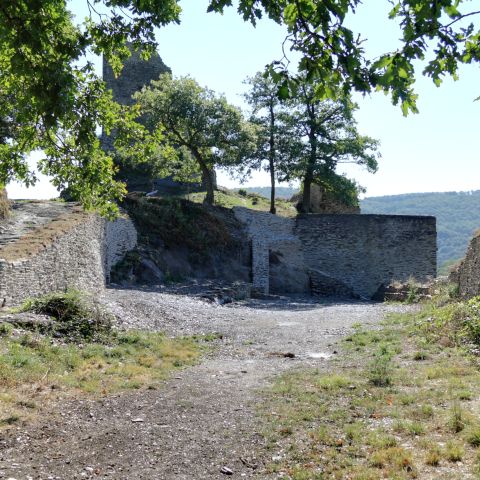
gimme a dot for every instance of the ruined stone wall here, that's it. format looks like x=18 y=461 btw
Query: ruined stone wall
x=136 y=73
x=273 y=238
x=338 y=254
x=366 y=251
x=78 y=258
x=120 y=238
x=467 y=274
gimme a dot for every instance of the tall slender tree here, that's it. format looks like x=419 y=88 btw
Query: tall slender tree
x=269 y=113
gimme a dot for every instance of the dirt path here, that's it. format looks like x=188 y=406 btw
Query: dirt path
x=204 y=418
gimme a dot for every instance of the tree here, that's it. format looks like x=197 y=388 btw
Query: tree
x=269 y=113
x=326 y=135
x=50 y=99
x=190 y=116
x=440 y=33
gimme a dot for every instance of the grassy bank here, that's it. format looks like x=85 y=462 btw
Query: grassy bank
x=242 y=198
x=400 y=402
x=80 y=355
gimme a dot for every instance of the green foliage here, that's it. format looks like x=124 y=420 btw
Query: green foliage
x=5 y=329
x=342 y=189
x=323 y=134
x=457 y=213
x=76 y=316
x=331 y=54
x=380 y=372
x=187 y=115
x=51 y=100
x=455 y=323
x=473 y=437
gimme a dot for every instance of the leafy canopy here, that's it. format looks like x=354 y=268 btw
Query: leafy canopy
x=443 y=34
x=51 y=101
x=323 y=134
x=195 y=119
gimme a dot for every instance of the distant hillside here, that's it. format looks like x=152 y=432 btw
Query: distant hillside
x=458 y=216
x=280 y=192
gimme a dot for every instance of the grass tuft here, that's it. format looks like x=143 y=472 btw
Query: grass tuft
x=454 y=451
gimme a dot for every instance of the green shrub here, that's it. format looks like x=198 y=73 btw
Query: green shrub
x=472 y=320
x=473 y=437
x=5 y=329
x=380 y=371
x=77 y=316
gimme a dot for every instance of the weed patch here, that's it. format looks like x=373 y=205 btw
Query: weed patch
x=402 y=406
x=36 y=369
x=76 y=316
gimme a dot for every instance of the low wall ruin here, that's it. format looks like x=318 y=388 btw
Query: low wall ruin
x=467 y=274
x=353 y=255
x=76 y=250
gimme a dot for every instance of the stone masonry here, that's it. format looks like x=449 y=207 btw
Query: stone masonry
x=353 y=255
x=271 y=232
x=467 y=273
x=78 y=256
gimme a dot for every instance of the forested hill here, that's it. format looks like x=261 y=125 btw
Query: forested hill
x=280 y=192
x=458 y=216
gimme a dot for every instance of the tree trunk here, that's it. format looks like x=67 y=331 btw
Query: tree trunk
x=4 y=203
x=312 y=158
x=307 y=184
x=206 y=177
x=272 y=190
x=271 y=160
x=210 y=197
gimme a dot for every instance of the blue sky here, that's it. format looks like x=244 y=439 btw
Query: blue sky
x=436 y=150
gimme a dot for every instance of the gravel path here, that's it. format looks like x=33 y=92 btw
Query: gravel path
x=204 y=418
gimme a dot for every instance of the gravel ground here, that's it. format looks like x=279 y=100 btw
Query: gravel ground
x=203 y=420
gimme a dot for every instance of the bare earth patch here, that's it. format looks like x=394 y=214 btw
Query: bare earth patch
x=202 y=423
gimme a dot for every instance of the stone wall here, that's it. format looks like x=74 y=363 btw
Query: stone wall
x=78 y=257
x=365 y=252
x=136 y=73
x=350 y=255
x=277 y=257
x=120 y=237
x=467 y=274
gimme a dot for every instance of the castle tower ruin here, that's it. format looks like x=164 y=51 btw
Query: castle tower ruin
x=136 y=73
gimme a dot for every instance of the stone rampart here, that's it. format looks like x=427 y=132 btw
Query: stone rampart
x=344 y=254
x=79 y=255
x=365 y=252
x=467 y=274
x=272 y=235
